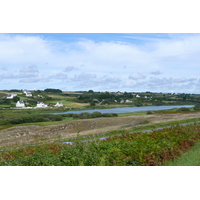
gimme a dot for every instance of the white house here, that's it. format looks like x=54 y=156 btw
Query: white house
x=41 y=105
x=128 y=101
x=11 y=96
x=138 y=96
x=122 y=101
x=20 y=104
x=27 y=93
x=59 y=104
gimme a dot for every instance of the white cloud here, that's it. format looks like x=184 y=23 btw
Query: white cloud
x=137 y=76
x=58 y=77
x=29 y=72
x=84 y=77
x=156 y=72
x=8 y=76
x=104 y=64
x=69 y=68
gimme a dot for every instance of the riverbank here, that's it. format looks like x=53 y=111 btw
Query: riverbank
x=127 y=109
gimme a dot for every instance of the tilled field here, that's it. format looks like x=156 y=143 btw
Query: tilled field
x=28 y=134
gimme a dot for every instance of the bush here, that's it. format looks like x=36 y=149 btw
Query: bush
x=107 y=115
x=75 y=115
x=149 y=112
x=96 y=114
x=17 y=120
x=183 y=109
x=197 y=107
x=92 y=103
x=84 y=115
x=114 y=114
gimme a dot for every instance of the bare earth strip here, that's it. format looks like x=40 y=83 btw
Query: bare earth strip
x=28 y=134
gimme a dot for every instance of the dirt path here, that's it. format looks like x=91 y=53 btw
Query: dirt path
x=28 y=134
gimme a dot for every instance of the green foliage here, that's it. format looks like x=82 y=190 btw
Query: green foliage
x=197 y=107
x=137 y=149
x=16 y=99
x=29 y=118
x=50 y=90
x=92 y=103
x=96 y=114
x=183 y=109
x=90 y=91
x=84 y=115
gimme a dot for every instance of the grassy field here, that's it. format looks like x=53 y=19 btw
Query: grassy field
x=189 y=158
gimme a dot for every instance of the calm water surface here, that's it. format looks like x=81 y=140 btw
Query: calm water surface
x=128 y=109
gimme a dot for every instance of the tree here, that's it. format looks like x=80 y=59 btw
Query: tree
x=50 y=90
x=16 y=99
x=92 y=103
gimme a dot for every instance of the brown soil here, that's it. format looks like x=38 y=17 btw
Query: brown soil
x=27 y=134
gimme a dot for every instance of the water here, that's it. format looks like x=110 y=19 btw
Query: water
x=128 y=109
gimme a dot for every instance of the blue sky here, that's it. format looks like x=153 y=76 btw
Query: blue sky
x=157 y=62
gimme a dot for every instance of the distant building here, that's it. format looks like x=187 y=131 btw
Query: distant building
x=27 y=93
x=11 y=96
x=128 y=101
x=20 y=104
x=41 y=105
x=59 y=104
x=138 y=96
x=122 y=101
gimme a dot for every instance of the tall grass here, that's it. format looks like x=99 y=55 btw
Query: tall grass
x=189 y=158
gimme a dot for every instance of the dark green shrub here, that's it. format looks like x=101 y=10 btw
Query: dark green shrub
x=92 y=103
x=107 y=115
x=85 y=115
x=114 y=114
x=183 y=109
x=96 y=114
x=75 y=115
x=17 y=120
x=197 y=107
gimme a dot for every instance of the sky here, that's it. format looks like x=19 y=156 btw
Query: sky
x=137 y=62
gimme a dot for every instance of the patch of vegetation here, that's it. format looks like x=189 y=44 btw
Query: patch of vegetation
x=126 y=150
x=50 y=90
x=189 y=158
x=183 y=109
x=197 y=107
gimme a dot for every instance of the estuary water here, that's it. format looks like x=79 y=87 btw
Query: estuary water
x=128 y=109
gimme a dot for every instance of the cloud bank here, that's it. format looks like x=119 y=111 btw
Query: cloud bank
x=128 y=63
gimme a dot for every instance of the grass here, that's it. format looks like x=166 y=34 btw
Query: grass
x=189 y=158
